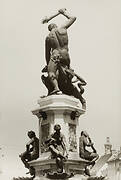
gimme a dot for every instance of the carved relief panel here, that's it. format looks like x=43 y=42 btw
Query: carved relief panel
x=72 y=138
x=45 y=134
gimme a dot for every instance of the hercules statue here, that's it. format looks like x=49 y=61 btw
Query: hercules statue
x=58 y=61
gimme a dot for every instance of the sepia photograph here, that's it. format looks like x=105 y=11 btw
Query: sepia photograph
x=60 y=99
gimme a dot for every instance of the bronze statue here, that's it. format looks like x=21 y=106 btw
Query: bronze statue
x=57 y=145
x=60 y=74
x=32 y=151
x=56 y=47
x=85 y=141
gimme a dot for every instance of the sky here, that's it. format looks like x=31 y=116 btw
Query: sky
x=95 y=51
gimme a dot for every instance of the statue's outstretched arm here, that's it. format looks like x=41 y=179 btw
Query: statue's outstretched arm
x=71 y=19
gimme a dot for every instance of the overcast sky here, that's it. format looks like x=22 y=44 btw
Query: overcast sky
x=94 y=46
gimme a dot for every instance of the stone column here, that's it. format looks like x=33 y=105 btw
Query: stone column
x=64 y=110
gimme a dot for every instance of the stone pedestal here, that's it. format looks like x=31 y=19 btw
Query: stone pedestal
x=64 y=110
